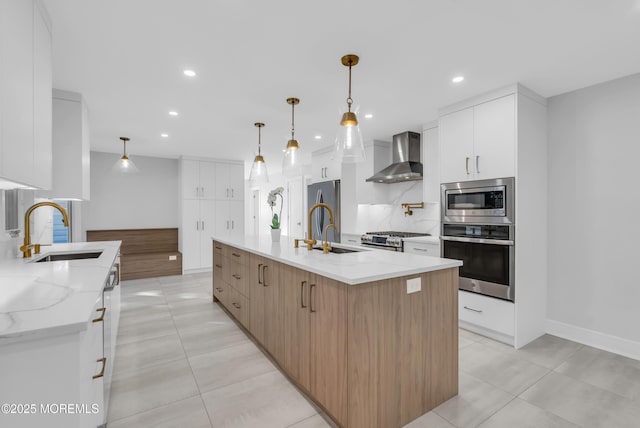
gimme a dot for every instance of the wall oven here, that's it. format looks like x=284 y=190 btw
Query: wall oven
x=478 y=228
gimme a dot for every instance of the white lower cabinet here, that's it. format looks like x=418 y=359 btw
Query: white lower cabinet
x=486 y=315
x=350 y=239
x=41 y=377
x=422 y=248
x=229 y=219
x=198 y=225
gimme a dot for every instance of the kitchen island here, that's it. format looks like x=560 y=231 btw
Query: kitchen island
x=371 y=336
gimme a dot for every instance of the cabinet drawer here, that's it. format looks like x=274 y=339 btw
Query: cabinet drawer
x=218 y=249
x=221 y=291
x=238 y=256
x=487 y=312
x=422 y=248
x=239 y=307
x=218 y=270
x=239 y=277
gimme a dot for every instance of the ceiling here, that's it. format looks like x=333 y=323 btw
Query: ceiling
x=127 y=59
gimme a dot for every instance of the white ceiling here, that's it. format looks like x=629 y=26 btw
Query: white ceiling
x=126 y=57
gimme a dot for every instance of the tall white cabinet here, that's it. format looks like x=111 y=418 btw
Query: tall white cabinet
x=504 y=134
x=25 y=94
x=212 y=204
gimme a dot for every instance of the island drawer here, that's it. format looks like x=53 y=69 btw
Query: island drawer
x=422 y=248
x=486 y=312
x=238 y=256
x=221 y=292
x=218 y=249
x=238 y=306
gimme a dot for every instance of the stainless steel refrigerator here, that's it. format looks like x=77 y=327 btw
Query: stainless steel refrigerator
x=327 y=192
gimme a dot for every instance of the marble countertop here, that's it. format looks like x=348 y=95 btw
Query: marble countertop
x=52 y=298
x=366 y=265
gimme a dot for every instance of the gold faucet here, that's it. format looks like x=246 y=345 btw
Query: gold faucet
x=26 y=248
x=325 y=244
x=310 y=241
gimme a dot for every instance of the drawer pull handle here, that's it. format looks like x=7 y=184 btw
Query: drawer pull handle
x=420 y=249
x=236 y=276
x=102 y=360
x=264 y=281
x=102 y=311
x=237 y=305
x=218 y=248
x=219 y=266
x=302 y=305
x=235 y=254
x=311 y=309
x=220 y=289
x=260 y=280
x=473 y=310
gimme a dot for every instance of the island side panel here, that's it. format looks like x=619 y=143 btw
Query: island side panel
x=399 y=361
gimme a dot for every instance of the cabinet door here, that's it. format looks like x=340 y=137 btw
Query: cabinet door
x=324 y=168
x=42 y=102
x=423 y=249
x=236 y=182
x=495 y=138
x=16 y=87
x=328 y=344
x=190 y=234
x=256 y=298
x=295 y=292
x=236 y=218
x=207 y=226
x=273 y=316
x=222 y=181
x=456 y=146
x=223 y=223
x=207 y=180
x=190 y=179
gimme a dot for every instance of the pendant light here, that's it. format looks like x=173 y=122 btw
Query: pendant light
x=258 y=172
x=124 y=164
x=349 y=146
x=291 y=162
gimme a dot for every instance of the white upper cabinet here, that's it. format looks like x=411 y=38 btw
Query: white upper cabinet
x=323 y=167
x=198 y=179
x=25 y=94
x=478 y=142
x=230 y=181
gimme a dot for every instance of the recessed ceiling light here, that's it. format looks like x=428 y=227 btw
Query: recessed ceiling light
x=173 y=113
x=457 y=79
x=189 y=73
x=368 y=116
x=164 y=135
x=318 y=137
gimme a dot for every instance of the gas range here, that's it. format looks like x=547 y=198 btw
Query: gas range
x=388 y=240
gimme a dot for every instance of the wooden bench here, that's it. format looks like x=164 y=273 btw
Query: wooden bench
x=144 y=253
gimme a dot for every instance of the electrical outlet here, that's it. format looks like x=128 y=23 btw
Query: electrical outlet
x=173 y=257
x=414 y=285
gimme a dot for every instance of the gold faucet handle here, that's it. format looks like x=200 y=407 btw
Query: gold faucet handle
x=36 y=247
x=326 y=247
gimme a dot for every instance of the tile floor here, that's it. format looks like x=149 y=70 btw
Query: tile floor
x=181 y=361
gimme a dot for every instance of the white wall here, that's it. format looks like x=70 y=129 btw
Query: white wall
x=145 y=200
x=594 y=202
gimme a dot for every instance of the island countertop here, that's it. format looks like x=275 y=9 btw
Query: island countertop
x=363 y=266
x=51 y=298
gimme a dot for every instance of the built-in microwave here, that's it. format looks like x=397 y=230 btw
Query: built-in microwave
x=481 y=201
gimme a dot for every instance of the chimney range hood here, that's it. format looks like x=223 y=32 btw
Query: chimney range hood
x=406 y=164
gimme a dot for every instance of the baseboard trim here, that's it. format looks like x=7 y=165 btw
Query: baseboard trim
x=197 y=270
x=500 y=337
x=596 y=339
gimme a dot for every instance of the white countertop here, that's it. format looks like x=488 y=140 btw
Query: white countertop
x=424 y=239
x=52 y=298
x=352 y=268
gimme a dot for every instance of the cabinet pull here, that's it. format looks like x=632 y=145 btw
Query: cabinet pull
x=102 y=311
x=233 y=224
x=477 y=164
x=218 y=248
x=237 y=305
x=235 y=254
x=227 y=192
x=302 y=305
x=264 y=281
x=219 y=266
x=220 y=289
x=311 y=309
x=102 y=360
x=117 y=279
x=420 y=249
x=197 y=225
x=236 y=276
x=202 y=192
x=467 y=164
x=202 y=224
x=260 y=280
x=232 y=192
x=473 y=310
x=227 y=224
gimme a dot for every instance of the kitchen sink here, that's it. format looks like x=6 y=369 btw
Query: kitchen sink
x=69 y=256
x=339 y=250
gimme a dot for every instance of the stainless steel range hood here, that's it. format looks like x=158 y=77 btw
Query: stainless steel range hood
x=406 y=164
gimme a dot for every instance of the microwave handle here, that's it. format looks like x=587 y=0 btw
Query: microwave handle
x=478 y=240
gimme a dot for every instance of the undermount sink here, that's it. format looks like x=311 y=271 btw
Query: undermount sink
x=69 y=256
x=339 y=250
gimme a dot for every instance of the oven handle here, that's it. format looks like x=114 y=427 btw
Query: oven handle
x=478 y=240
x=380 y=246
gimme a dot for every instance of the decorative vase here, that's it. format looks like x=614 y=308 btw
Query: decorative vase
x=275 y=235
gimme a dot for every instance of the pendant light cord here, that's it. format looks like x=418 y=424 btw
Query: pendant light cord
x=349 y=100
x=293 y=105
x=259 y=129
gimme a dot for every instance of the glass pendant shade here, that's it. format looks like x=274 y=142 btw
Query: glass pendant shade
x=349 y=146
x=124 y=165
x=291 y=164
x=258 y=174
